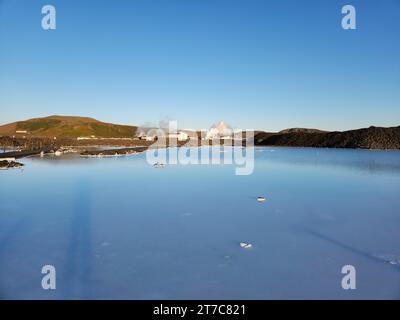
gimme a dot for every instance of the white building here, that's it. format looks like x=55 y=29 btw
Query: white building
x=180 y=136
x=85 y=138
x=147 y=137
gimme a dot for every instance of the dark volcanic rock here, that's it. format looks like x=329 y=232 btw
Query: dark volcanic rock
x=4 y=164
x=368 y=138
x=112 y=152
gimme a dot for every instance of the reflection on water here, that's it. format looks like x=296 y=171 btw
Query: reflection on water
x=372 y=161
x=119 y=228
x=378 y=258
x=79 y=254
x=2 y=150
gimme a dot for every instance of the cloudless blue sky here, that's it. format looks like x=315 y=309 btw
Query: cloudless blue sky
x=255 y=64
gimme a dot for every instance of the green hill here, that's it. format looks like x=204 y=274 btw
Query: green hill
x=67 y=127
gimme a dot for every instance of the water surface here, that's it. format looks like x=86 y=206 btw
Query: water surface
x=117 y=228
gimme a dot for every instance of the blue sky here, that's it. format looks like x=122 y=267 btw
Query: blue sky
x=255 y=64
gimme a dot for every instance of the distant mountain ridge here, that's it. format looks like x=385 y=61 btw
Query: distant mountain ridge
x=366 y=138
x=67 y=127
x=74 y=127
x=301 y=130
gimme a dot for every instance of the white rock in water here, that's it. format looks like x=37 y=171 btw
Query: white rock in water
x=261 y=199
x=245 y=245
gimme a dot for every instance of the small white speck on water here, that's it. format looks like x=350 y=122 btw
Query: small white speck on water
x=246 y=245
x=261 y=199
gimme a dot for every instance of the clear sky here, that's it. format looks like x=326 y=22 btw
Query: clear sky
x=255 y=64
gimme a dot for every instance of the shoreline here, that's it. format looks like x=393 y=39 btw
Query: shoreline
x=113 y=151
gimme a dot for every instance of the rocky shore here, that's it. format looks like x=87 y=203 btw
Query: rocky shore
x=45 y=143
x=112 y=152
x=366 y=138
x=5 y=164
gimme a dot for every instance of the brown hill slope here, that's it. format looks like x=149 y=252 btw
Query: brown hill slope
x=67 y=127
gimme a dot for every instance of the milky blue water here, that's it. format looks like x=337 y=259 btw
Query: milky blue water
x=118 y=228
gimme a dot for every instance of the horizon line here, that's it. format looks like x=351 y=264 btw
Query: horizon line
x=196 y=129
